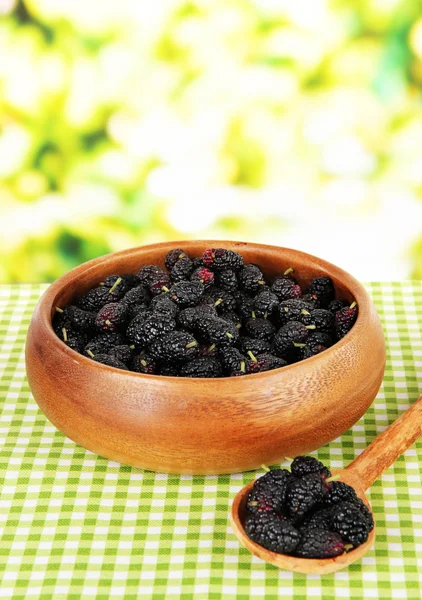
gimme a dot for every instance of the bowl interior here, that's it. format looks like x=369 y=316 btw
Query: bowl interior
x=273 y=261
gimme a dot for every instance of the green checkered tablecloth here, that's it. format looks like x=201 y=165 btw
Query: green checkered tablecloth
x=75 y=525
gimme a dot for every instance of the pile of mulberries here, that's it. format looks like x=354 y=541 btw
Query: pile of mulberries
x=208 y=316
x=306 y=513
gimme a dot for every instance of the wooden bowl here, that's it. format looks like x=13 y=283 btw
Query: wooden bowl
x=224 y=425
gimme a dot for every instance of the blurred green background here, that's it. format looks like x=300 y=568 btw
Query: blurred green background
x=294 y=122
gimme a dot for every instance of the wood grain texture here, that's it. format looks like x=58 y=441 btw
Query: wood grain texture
x=360 y=474
x=223 y=425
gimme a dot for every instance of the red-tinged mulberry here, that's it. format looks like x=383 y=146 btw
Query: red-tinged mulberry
x=345 y=319
x=286 y=289
x=204 y=276
x=149 y=272
x=112 y=317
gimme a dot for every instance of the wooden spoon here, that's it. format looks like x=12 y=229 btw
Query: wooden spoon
x=360 y=474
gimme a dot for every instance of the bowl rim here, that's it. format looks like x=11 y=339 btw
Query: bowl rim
x=46 y=304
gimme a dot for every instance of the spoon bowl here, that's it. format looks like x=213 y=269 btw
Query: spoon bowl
x=294 y=563
x=360 y=474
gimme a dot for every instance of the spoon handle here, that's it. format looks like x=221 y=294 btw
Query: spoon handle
x=388 y=446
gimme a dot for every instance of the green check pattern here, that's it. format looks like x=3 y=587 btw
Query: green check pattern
x=76 y=526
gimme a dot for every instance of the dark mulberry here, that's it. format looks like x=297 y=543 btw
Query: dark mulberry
x=323 y=288
x=220 y=259
x=127 y=282
x=173 y=257
x=232 y=360
x=231 y=317
x=338 y=491
x=188 y=318
x=124 y=353
x=137 y=295
x=98 y=297
x=311 y=299
x=293 y=310
x=159 y=283
x=163 y=307
x=308 y=351
x=289 y=336
x=251 y=279
x=81 y=320
x=303 y=465
x=319 y=543
x=227 y=280
x=203 y=366
x=336 y=305
x=144 y=363
x=176 y=346
x=244 y=304
x=144 y=332
x=265 y=304
x=222 y=300
x=214 y=330
x=103 y=343
x=248 y=344
x=74 y=339
x=181 y=270
x=169 y=370
x=110 y=361
x=186 y=293
x=351 y=523
x=303 y=493
x=260 y=329
x=273 y=532
x=321 y=519
x=264 y=362
x=322 y=319
x=319 y=338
